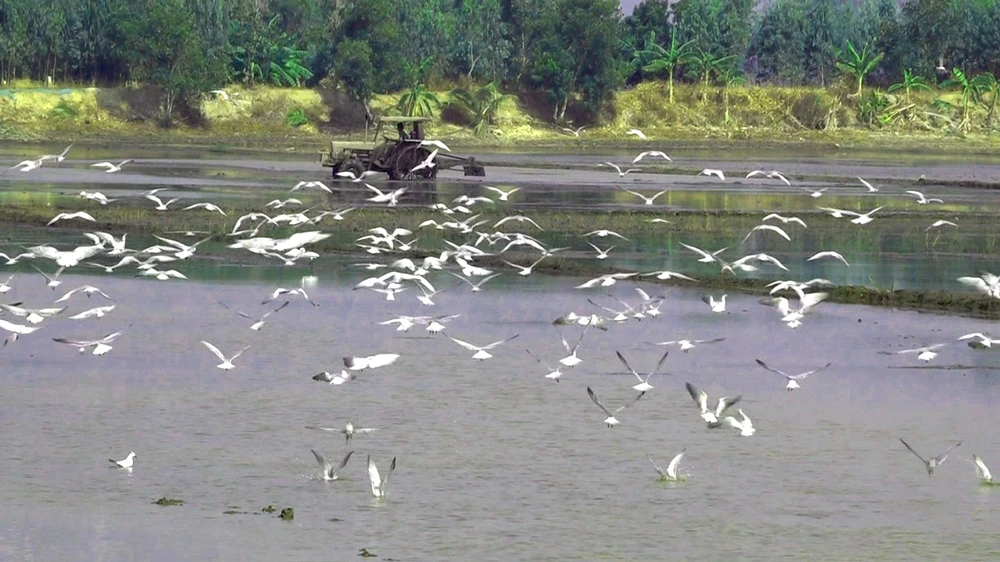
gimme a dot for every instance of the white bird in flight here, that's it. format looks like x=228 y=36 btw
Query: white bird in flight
x=643 y=385
x=435 y=142
x=207 y=206
x=985 y=477
x=651 y=153
x=553 y=374
x=871 y=188
x=348 y=430
x=335 y=379
x=647 y=200
x=924 y=200
x=718 y=306
x=111 y=168
x=940 y=223
x=66 y=216
x=621 y=173
x=327 y=471
x=987 y=283
x=773 y=174
x=670 y=474
x=713 y=172
x=57 y=157
x=925 y=353
x=601 y=254
x=866 y=218
x=258 y=322
x=160 y=204
x=829 y=254
x=101 y=346
x=601 y=233
x=637 y=133
x=745 y=425
x=701 y=399
x=227 y=363
x=792 y=379
x=482 y=352
x=356 y=178
x=688 y=345
x=504 y=195
x=379 y=484
x=763 y=227
x=370 y=362
x=427 y=163
x=611 y=420
x=785 y=220
x=933 y=462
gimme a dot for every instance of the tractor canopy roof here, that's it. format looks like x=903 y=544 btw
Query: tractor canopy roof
x=393 y=119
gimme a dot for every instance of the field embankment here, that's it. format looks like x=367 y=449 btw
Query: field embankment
x=282 y=118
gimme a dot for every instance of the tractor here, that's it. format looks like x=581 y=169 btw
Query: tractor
x=395 y=149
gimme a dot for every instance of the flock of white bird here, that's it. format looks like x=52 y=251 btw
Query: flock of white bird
x=456 y=260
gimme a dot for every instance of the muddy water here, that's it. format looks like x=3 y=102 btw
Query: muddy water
x=493 y=460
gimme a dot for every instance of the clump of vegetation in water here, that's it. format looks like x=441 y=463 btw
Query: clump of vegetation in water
x=269 y=509
x=287 y=514
x=169 y=501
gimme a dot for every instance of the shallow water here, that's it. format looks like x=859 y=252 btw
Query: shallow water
x=494 y=461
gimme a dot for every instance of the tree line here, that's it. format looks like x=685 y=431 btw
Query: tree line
x=566 y=52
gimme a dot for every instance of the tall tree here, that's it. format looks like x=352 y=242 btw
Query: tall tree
x=778 y=46
x=167 y=49
x=479 y=46
x=578 y=46
x=718 y=27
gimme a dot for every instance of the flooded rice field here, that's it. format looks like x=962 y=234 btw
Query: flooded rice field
x=493 y=459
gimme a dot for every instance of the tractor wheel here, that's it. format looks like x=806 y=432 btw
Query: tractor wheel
x=405 y=161
x=354 y=166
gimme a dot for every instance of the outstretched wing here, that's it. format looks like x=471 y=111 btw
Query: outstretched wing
x=672 y=467
x=940 y=458
x=637 y=398
x=660 y=362
x=496 y=343
x=725 y=403
x=813 y=372
x=627 y=366
x=343 y=463
x=656 y=468
x=700 y=398
x=373 y=475
x=912 y=451
x=598 y=402
x=323 y=463
x=764 y=365
x=214 y=350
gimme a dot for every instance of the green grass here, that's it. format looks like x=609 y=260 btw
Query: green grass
x=258 y=119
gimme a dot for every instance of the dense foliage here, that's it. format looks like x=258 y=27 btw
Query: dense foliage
x=569 y=52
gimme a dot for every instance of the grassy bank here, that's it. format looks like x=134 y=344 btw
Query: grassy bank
x=266 y=118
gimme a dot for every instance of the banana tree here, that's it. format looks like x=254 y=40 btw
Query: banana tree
x=418 y=100
x=704 y=64
x=987 y=84
x=857 y=65
x=482 y=103
x=729 y=76
x=910 y=82
x=970 y=92
x=665 y=59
